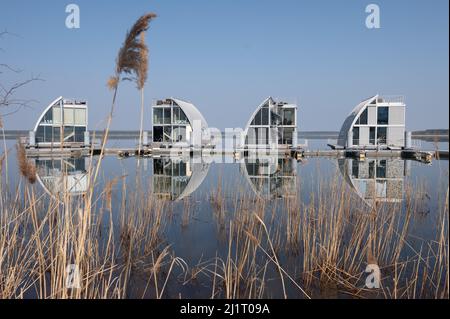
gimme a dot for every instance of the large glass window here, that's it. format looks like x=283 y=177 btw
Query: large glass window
x=356 y=136
x=157 y=134
x=158 y=116
x=69 y=134
x=48 y=117
x=381 y=169
x=265 y=116
x=287 y=135
x=257 y=118
x=383 y=115
x=372 y=136
x=48 y=134
x=362 y=118
x=167 y=134
x=79 y=134
x=288 y=117
x=382 y=135
x=167 y=115
x=179 y=133
x=40 y=134
x=178 y=116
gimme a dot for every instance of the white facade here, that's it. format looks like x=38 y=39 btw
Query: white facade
x=375 y=180
x=375 y=122
x=178 y=122
x=272 y=125
x=63 y=120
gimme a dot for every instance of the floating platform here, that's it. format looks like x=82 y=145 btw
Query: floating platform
x=297 y=153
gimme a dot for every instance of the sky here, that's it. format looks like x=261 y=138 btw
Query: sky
x=227 y=56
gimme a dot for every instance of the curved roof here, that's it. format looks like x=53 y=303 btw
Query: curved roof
x=199 y=172
x=269 y=99
x=191 y=112
x=351 y=119
x=46 y=110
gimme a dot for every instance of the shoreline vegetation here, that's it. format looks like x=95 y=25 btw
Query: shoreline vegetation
x=285 y=248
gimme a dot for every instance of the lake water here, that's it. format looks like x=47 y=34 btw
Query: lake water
x=206 y=201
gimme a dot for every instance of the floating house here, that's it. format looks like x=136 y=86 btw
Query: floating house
x=272 y=125
x=378 y=122
x=375 y=180
x=271 y=176
x=176 y=178
x=177 y=122
x=62 y=176
x=62 y=123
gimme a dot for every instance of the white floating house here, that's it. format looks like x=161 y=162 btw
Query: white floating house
x=378 y=122
x=63 y=121
x=62 y=176
x=272 y=125
x=176 y=178
x=177 y=122
x=271 y=176
x=375 y=180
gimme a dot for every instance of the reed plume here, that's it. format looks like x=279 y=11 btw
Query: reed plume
x=128 y=62
x=26 y=167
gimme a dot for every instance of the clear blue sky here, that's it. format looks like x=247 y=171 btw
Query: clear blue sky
x=226 y=56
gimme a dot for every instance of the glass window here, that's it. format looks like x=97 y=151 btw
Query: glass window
x=356 y=136
x=355 y=168
x=167 y=115
x=178 y=116
x=167 y=133
x=288 y=117
x=265 y=116
x=257 y=119
x=372 y=136
x=275 y=119
x=158 y=166
x=40 y=135
x=69 y=134
x=363 y=118
x=383 y=115
x=287 y=135
x=382 y=135
x=179 y=134
x=48 y=131
x=381 y=169
x=157 y=116
x=79 y=134
x=68 y=116
x=48 y=117
x=57 y=134
x=157 y=134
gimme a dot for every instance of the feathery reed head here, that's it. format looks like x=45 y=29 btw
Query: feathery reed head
x=143 y=65
x=26 y=167
x=132 y=57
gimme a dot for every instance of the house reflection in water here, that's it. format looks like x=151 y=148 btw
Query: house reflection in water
x=271 y=177
x=176 y=178
x=376 y=180
x=62 y=176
